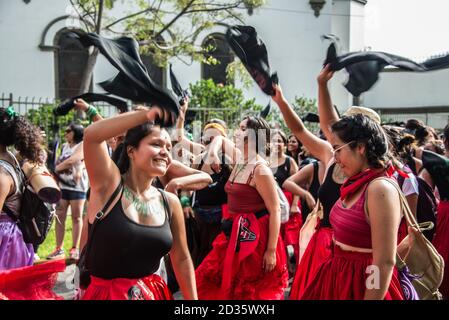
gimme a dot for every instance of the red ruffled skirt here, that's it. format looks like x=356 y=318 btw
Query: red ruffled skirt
x=441 y=243
x=343 y=277
x=290 y=232
x=290 y=229
x=318 y=251
x=151 y=287
x=247 y=280
x=31 y=283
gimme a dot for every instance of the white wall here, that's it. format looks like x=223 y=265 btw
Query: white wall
x=289 y=29
x=25 y=70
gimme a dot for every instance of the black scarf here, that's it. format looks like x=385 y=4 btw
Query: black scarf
x=364 y=67
x=251 y=50
x=176 y=86
x=133 y=81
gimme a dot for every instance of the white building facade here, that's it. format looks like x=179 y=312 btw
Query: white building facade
x=31 y=32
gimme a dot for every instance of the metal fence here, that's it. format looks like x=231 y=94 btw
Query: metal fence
x=23 y=105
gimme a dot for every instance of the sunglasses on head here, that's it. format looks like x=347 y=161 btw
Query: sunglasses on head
x=68 y=130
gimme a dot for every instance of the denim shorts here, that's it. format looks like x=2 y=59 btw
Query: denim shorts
x=72 y=195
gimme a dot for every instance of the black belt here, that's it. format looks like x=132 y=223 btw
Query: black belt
x=226 y=225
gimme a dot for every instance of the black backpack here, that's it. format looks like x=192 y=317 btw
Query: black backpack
x=426 y=209
x=35 y=216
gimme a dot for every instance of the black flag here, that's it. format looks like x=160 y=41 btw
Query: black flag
x=251 y=50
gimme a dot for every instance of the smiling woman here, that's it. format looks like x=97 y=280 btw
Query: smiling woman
x=143 y=224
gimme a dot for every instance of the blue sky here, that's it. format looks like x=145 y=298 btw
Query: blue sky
x=414 y=29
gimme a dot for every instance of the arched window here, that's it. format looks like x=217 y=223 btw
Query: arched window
x=220 y=52
x=70 y=62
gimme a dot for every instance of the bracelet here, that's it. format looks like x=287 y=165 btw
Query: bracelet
x=185 y=201
x=91 y=111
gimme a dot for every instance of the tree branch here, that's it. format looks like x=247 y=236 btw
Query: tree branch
x=99 y=17
x=130 y=16
x=168 y=25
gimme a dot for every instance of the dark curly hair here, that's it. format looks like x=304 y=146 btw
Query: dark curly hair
x=402 y=144
x=25 y=136
x=360 y=129
x=262 y=131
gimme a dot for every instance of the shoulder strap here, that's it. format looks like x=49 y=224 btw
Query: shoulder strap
x=407 y=212
x=168 y=212
x=251 y=175
x=100 y=215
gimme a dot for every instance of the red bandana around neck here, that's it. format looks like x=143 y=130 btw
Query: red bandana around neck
x=354 y=183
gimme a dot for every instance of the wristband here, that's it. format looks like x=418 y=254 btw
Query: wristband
x=185 y=201
x=91 y=111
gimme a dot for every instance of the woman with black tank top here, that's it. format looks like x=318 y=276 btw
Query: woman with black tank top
x=283 y=167
x=133 y=225
x=208 y=201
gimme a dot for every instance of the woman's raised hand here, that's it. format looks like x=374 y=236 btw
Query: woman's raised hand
x=325 y=75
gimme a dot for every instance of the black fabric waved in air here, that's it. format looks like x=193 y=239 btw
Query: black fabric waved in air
x=265 y=111
x=133 y=81
x=364 y=67
x=176 y=86
x=69 y=104
x=251 y=50
x=438 y=168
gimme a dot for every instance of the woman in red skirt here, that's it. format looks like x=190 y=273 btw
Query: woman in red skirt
x=436 y=173
x=247 y=260
x=365 y=219
x=135 y=223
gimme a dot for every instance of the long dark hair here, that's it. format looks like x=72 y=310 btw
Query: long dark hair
x=18 y=131
x=78 y=132
x=361 y=129
x=132 y=138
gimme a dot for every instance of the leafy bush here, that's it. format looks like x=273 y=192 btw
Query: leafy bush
x=210 y=100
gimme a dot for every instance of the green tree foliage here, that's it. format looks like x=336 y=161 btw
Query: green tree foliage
x=210 y=100
x=164 y=28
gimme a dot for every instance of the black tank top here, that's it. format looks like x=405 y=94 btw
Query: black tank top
x=438 y=167
x=122 y=248
x=214 y=194
x=282 y=172
x=328 y=193
x=313 y=189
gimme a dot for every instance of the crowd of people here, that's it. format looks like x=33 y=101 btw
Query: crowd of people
x=164 y=213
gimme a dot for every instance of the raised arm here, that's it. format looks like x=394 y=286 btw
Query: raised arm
x=319 y=148
x=302 y=178
x=326 y=110
x=101 y=169
x=183 y=141
x=181 y=177
x=76 y=156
